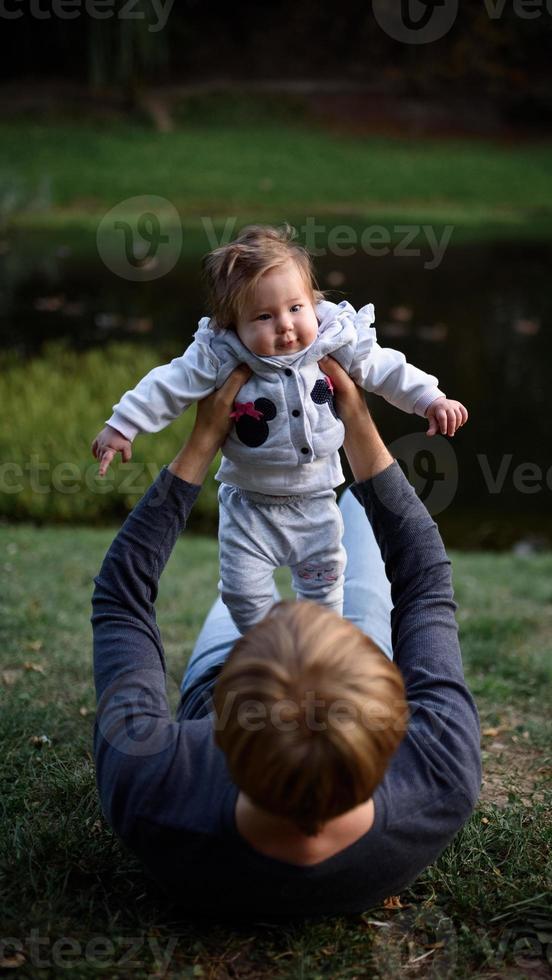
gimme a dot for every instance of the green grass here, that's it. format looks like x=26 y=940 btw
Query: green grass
x=63 y=874
x=269 y=167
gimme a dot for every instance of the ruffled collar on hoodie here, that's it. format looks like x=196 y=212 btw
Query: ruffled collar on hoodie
x=338 y=326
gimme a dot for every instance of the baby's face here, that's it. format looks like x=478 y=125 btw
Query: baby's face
x=280 y=318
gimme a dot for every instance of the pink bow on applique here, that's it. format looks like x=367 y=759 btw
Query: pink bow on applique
x=329 y=383
x=245 y=408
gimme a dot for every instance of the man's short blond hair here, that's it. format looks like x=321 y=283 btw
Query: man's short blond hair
x=231 y=272
x=308 y=712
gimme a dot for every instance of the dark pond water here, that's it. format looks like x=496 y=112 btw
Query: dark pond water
x=481 y=321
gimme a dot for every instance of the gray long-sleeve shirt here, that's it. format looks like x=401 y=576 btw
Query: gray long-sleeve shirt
x=164 y=785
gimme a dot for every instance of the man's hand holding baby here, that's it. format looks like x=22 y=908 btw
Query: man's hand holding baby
x=107 y=444
x=445 y=416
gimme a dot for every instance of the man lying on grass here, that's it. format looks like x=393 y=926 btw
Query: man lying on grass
x=318 y=763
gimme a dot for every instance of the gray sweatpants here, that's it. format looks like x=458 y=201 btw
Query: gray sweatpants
x=259 y=533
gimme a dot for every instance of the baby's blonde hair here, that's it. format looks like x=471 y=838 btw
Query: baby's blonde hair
x=308 y=712
x=231 y=272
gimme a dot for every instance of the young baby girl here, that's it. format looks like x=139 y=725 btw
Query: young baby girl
x=280 y=462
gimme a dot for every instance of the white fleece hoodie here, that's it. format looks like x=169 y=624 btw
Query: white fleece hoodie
x=286 y=435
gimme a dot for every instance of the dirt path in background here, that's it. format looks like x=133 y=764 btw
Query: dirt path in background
x=339 y=105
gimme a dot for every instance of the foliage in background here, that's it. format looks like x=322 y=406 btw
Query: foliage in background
x=125 y=52
x=53 y=407
x=490 y=54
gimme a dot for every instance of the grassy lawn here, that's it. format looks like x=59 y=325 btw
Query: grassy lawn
x=269 y=168
x=481 y=911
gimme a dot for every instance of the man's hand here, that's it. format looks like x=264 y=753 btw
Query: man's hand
x=365 y=449
x=107 y=444
x=445 y=416
x=211 y=427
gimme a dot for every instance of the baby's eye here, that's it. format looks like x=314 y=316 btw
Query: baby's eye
x=296 y=306
x=263 y=316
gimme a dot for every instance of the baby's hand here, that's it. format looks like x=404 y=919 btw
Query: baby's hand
x=445 y=416
x=107 y=444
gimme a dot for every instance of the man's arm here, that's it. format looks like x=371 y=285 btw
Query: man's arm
x=134 y=732
x=424 y=629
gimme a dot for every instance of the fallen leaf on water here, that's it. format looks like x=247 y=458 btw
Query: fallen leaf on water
x=394 y=329
x=107 y=321
x=527 y=327
x=401 y=313
x=335 y=277
x=49 y=304
x=73 y=309
x=433 y=332
x=139 y=324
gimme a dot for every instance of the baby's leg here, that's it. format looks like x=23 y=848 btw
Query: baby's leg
x=368 y=601
x=247 y=558
x=319 y=561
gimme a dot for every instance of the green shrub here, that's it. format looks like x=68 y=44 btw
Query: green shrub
x=54 y=405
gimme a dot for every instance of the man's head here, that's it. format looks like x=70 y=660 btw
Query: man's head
x=249 y=282
x=308 y=712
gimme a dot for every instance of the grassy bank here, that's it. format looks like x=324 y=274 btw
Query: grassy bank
x=268 y=168
x=63 y=874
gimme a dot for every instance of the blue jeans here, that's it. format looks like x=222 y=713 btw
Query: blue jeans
x=367 y=604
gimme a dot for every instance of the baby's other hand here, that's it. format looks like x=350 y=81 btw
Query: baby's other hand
x=445 y=416
x=107 y=444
